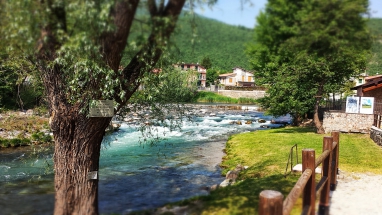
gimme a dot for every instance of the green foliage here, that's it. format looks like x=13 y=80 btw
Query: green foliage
x=206 y=63
x=41 y=137
x=306 y=49
x=212 y=76
x=198 y=38
x=210 y=97
x=375 y=63
x=170 y=85
x=8 y=89
x=77 y=56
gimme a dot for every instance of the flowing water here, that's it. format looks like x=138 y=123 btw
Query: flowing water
x=133 y=175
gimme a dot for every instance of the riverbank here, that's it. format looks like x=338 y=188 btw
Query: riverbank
x=18 y=128
x=266 y=154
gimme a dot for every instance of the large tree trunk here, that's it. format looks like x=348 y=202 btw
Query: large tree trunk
x=77 y=150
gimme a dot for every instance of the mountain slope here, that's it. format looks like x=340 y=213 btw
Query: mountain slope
x=375 y=64
x=224 y=44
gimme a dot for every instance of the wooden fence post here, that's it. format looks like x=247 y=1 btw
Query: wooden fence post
x=335 y=156
x=323 y=208
x=309 y=195
x=271 y=203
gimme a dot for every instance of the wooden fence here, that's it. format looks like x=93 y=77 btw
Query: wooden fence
x=271 y=202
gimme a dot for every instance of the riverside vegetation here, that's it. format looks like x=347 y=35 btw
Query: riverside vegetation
x=266 y=154
x=22 y=129
x=211 y=97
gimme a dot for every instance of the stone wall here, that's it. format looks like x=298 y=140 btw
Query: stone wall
x=242 y=94
x=347 y=122
x=376 y=135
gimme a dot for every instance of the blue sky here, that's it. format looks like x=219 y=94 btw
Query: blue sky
x=230 y=11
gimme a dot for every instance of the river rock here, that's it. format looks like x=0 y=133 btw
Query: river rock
x=29 y=112
x=232 y=175
x=261 y=120
x=225 y=183
x=214 y=187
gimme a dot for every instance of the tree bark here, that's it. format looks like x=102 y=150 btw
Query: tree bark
x=77 y=150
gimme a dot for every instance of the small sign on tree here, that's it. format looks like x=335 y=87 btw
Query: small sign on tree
x=101 y=108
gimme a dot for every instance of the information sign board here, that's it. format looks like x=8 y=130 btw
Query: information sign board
x=101 y=108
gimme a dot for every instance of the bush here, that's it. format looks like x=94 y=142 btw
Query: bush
x=4 y=143
x=41 y=137
x=15 y=142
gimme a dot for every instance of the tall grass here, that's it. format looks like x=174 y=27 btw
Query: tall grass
x=211 y=97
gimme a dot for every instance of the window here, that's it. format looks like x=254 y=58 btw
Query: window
x=360 y=81
x=230 y=80
x=249 y=78
x=196 y=68
x=242 y=78
x=188 y=66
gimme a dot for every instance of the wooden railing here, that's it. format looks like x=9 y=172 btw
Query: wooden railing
x=377 y=120
x=271 y=202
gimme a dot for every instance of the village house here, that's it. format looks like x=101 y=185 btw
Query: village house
x=371 y=88
x=199 y=68
x=238 y=77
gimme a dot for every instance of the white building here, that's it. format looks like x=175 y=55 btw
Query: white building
x=238 y=77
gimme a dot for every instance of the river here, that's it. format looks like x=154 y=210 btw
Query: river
x=133 y=175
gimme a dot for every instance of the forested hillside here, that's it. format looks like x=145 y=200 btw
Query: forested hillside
x=375 y=65
x=224 y=44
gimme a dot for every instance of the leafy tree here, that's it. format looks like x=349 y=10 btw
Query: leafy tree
x=212 y=75
x=76 y=48
x=305 y=49
x=206 y=63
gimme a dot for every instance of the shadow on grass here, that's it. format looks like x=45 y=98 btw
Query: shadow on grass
x=291 y=130
x=245 y=195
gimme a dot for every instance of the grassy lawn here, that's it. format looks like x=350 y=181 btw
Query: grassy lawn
x=266 y=154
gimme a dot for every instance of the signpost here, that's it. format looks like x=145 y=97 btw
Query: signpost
x=101 y=108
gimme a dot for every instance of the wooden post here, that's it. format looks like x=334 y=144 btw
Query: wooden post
x=271 y=203
x=326 y=173
x=335 y=156
x=309 y=196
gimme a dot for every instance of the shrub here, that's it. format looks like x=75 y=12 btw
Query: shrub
x=4 y=143
x=41 y=137
x=15 y=142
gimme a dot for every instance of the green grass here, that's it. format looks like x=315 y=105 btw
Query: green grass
x=266 y=154
x=210 y=97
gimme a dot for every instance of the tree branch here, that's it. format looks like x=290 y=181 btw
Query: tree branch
x=145 y=60
x=113 y=43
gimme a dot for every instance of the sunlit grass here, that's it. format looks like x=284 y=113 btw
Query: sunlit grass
x=266 y=155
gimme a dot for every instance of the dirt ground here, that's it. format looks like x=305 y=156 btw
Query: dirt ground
x=357 y=193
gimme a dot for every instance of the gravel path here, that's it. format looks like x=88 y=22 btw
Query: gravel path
x=357 y=194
